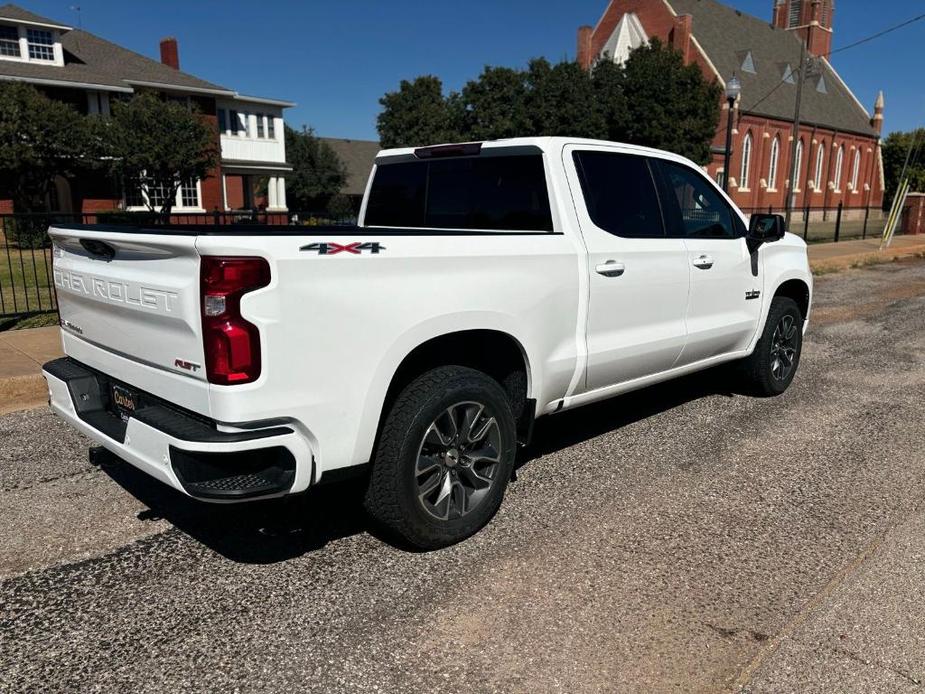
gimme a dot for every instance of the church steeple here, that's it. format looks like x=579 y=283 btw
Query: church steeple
x=810 y=19
x=877 y=120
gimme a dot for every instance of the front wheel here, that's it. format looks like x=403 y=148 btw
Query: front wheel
x=770 y=369
x=444 y=458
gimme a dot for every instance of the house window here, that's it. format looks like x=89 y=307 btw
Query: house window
x=820 y=157
x=855 y=170
x=261 y=129
x=133 y=196
x=243 y=124
x=157 y=195
x=271 y=127
x=772 y=168
x=41 y=44
x=798 y=165
x=235 y=122
x=746 y=161
x=189 y=194
x=9 y=41
x=222 y=120
x=839 y=161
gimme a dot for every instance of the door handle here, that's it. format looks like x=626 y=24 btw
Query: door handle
x=704 y=262
x=610 y=269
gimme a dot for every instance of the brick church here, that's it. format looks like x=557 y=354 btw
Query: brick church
x=838 y=150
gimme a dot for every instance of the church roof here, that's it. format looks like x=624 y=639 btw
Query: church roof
x=726 y=35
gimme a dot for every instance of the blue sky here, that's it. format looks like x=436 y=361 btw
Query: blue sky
x=335 y=58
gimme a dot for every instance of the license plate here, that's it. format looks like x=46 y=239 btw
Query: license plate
x=125 y=401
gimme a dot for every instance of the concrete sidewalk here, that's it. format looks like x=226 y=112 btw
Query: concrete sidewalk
x=22 y=352
x=839 y=256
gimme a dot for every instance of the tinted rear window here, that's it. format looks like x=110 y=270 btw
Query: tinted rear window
x=487 y=192
x=620 y=193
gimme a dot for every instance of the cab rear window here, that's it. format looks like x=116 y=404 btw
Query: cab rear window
x=506 y=193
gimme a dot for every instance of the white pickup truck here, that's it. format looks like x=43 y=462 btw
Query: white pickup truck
x=486 y=285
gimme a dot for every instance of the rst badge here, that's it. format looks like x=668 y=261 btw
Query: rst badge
x=355 y=248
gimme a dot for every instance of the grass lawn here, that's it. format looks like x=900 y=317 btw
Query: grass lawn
x=25 y=280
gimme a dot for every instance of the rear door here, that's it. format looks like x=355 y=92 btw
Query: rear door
x=135 y=295
x=638 y=276
x=724 y=305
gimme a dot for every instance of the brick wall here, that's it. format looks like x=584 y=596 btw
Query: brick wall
x=761 y=192
x=234 y=189
x=914 y=214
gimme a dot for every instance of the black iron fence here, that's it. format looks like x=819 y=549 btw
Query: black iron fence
x=27 y=286
x=824 y=224
x=26 y=281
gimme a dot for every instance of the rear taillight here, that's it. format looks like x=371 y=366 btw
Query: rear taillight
x=232 y=344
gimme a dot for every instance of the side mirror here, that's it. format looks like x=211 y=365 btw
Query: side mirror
x=764 y=228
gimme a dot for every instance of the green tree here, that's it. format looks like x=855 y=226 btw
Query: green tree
x=495 y=105
x=652 y=99
x=417 y=114
x=895 y=149
x=560 y=100
x=157 y=144
x=317 y=175
x=609 y=99
x=669 y=105
x=39 y=139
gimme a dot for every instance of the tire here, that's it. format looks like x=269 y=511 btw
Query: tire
x=766 y=371
x=449 y=429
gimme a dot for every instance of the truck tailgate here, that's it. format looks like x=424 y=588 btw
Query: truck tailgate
x=132 y=295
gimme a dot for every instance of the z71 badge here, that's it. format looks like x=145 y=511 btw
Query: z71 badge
x=355 y=248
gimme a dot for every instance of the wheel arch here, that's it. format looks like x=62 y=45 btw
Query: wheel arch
x=494 y=352
x=798 y=290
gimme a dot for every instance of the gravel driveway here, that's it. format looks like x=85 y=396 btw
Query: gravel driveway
x=681 y=538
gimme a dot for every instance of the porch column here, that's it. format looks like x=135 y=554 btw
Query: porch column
x=281 y=193
x=271 y=193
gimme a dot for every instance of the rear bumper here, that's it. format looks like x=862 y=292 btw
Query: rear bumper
x=186 y=451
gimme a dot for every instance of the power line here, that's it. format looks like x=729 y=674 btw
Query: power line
x=877 y=35
x=884 y=32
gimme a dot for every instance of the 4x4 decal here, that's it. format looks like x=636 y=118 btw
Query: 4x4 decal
x=331 y=248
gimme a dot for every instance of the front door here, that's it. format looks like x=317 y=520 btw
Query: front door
x=638 y=277
x=724 y=305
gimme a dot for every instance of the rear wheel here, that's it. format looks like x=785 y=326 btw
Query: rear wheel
x=770 y=369
x=444 y=458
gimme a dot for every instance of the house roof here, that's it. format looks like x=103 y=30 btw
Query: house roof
x=727 y=35
x=358 y=156
x=18 y=14
x=91 y=60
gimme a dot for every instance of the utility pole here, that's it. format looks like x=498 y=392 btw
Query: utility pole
x=794 y=172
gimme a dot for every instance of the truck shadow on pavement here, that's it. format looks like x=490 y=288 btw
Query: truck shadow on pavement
x=571 y=427
x=265 y=532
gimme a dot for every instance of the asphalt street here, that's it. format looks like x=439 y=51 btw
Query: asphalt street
x=683 y=538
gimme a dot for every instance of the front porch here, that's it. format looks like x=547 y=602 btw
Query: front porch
x=254 y=186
